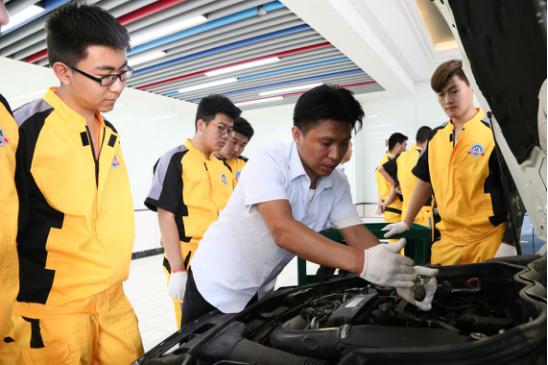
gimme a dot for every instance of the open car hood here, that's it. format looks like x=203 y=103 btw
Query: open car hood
x=503 y=46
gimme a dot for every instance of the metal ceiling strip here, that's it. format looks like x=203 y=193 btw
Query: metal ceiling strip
x=186 y=8
x=49 y=6
x=294 y=68
x=197 y=64
x=272 y=6
x=216 y=50
x=312 y=72
x=131 y=17
x=303 y=49
x=210 y=61
x=147 y=10
x=197 y=67
x=230 y=33
x=294 y=81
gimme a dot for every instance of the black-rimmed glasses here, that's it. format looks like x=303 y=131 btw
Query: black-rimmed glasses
x=109 y=79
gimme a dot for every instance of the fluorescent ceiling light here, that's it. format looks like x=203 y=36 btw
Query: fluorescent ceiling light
x=257 y=101
x=145 y=57
x=242 y=66
x=23 y=16
x=289 y=89
x=161 y=31
x=208 y=84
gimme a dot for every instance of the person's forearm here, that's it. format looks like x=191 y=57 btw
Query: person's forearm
x=359 y=237
x=170 y=239
x=390 y=197
x=421 y=193
x=306 y=243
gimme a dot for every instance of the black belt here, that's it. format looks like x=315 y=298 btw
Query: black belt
x=393 y=210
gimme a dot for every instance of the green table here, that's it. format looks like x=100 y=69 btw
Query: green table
x=419 y=241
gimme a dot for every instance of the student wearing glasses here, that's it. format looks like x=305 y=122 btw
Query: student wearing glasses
x=189 y=188
x=76 y=226
x=231 y=153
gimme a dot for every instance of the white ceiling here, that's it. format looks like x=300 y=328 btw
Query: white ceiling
x=388 y=38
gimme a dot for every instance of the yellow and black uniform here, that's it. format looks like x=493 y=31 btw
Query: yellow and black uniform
x=195 y=188
x=465 y=178
x=9 y=205
x=74 y=240
x=235 y=166
x=392 y=212
x=400 y=169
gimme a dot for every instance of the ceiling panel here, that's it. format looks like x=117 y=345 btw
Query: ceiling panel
x=230 y=33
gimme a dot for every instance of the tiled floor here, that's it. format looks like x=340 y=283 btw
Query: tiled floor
x=146 y=289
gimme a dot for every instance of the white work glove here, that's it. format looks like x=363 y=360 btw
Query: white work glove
x=177 y=285
x=506 y=249
x=394 y=229
x=426 y=278
x=383 y=265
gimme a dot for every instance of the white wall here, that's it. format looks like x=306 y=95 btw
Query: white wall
x=384 y=116
x=150 y=124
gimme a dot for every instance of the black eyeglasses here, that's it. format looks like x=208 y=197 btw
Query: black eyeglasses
x=109 y=79
x=224 y=130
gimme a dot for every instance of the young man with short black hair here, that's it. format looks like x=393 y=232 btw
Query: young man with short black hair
x=397 y=143
x=287 y=194
x=76 y=226
x=231 y=153
x=400 y=169
x=189 y=188
x=459 y=165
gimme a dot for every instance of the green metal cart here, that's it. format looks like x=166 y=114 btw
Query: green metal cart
x=419 y=241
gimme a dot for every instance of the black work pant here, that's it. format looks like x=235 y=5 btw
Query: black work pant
x=194 y=305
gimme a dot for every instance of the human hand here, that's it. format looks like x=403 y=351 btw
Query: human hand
x=383 y=265
x=394 y=229
x=177 y=285
x=426 y=283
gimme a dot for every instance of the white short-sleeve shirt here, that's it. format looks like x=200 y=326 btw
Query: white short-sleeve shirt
x=238 y=254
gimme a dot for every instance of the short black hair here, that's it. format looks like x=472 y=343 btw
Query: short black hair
x=242 y=126
x=396 y=138
x=423 y=133
x=74 y=27
x=213 y=104
x=327 y=102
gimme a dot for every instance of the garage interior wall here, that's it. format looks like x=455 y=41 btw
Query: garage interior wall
x=150 y=125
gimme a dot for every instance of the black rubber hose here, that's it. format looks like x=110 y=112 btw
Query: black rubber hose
x=249 y=351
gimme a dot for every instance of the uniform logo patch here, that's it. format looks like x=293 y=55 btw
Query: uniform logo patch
x=238 y=175
x=115 y=162
x=3 y=139
x=223 y=178
x=476 y=150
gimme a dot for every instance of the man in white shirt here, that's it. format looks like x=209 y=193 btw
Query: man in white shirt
x=286 y=194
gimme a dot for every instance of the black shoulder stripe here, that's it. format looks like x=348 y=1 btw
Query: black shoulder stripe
x=226 y=164
x=109 y=124
x=245 y=159
x=435 y=130
x=85 y=139
x=5 y=104
x=112 y=140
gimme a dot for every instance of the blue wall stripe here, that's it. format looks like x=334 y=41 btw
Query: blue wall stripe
x=283 y=83
x=329 y=61
x=49 y=6
x=222 y=48
x=229 y=19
